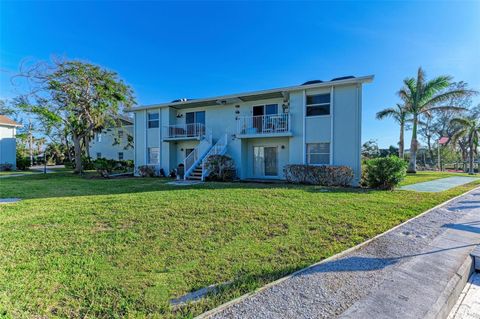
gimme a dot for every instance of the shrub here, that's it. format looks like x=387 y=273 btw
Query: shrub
x=146 y=171
x=105 y=167
x=319 y=175
x=23 y=163
x=220 y=168
x=7 y=167
x=385 y=173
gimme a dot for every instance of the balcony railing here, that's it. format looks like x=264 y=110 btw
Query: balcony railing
x=264 y=124
x=184 y=131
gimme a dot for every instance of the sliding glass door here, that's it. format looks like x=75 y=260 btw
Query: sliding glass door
x=265 y=162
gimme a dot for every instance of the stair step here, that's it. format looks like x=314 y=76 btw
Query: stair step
x=194 y=177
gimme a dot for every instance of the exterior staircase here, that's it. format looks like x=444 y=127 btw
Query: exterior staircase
x=196 y=174
x=197 y=170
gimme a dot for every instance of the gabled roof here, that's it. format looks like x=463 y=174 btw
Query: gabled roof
x=5 y=121
x=254 y=95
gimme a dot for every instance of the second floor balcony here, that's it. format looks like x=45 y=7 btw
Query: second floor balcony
x=191 y=131
x=264 y=126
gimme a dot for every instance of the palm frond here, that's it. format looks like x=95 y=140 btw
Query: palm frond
x=434 y=86
x=445 y=108
x=388 y=112
x=442 y=97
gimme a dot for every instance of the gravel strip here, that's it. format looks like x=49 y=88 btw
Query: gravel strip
x=328 y=289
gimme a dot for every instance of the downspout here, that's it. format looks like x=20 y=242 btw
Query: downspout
x=331 y=124
x=304 y=147
x=135 y=164
x=145 y=150
x=160 y=140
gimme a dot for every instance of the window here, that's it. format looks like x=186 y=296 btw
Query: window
x=318 y=104
x=99 y=155
x=120 y=156
x=120 y=133
x=98 y=137
x=318 y=153
x=153 y=121
x=153 y=155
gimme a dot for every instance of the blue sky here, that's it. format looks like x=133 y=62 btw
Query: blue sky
x=197 y=49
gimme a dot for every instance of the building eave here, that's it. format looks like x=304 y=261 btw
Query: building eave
x=262 y=94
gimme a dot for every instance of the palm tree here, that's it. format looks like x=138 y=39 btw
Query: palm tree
x=423 y=97
x=469 y=128
x=399 y=113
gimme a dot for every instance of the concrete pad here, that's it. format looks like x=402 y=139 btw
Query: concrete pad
x=439 y=185
x=9 y=200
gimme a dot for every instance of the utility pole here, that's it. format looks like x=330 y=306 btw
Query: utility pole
x=30 y=141
x=439 y=166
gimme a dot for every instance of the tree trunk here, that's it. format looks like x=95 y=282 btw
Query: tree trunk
x=401 y=143
x=430 y=150
x=86 y=141
x=78 y=154
x=471 y=170
x=412 y=166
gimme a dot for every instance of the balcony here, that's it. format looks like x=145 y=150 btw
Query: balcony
x=264 y=126
x=192 y=131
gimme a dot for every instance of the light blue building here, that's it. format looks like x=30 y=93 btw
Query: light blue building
x=316 y=123
x=8 y=144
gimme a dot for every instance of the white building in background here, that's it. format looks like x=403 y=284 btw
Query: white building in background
x=114 y=142
x=8 y=143
x=316 y=123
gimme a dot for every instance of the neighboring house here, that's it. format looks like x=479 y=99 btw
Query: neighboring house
x=317 y=123
x=112 y=143
x=8 y=144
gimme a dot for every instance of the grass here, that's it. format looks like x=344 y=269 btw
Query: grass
x=79 y=247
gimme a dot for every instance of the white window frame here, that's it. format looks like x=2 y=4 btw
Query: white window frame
x=120 y=133
x=154 y=120
x=307 y=154
x=148 y=155
x=98 y=137
x=329 y=103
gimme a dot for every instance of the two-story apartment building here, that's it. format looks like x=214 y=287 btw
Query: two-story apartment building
x=114 y=142
x=316 y=123
x=8 y=144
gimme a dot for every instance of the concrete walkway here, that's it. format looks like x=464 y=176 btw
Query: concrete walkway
x=410 y=272
x=439 y=185
x=468 y=305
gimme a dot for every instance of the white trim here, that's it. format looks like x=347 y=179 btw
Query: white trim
x=145 y=138
x=304 y=108
x=277 y=147
x=134 y=140
x=331 y=123
x=362 y=79
x=317 y=116
x=329 y=154
x=159 y=140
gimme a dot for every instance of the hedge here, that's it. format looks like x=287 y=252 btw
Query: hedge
x=319 y=175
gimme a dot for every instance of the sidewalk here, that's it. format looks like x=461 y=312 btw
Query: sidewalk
x=408 y=272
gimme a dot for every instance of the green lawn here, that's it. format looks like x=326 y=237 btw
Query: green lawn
x=79 y=247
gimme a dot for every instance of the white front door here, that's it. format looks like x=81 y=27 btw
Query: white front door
x=265 y=161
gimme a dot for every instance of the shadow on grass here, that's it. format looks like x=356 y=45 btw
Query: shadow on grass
x=71 y=185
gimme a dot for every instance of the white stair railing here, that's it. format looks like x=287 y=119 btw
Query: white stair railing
x=220 y=148
x=198 y=153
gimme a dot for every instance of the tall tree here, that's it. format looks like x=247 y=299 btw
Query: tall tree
x=422 y=98
x=400 y=114
x=76 y=97
x=469 y=128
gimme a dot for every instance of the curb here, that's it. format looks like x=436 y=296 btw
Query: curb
x=448 y=298
x=458 y=280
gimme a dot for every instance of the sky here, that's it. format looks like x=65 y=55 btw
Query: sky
x=170 y=50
